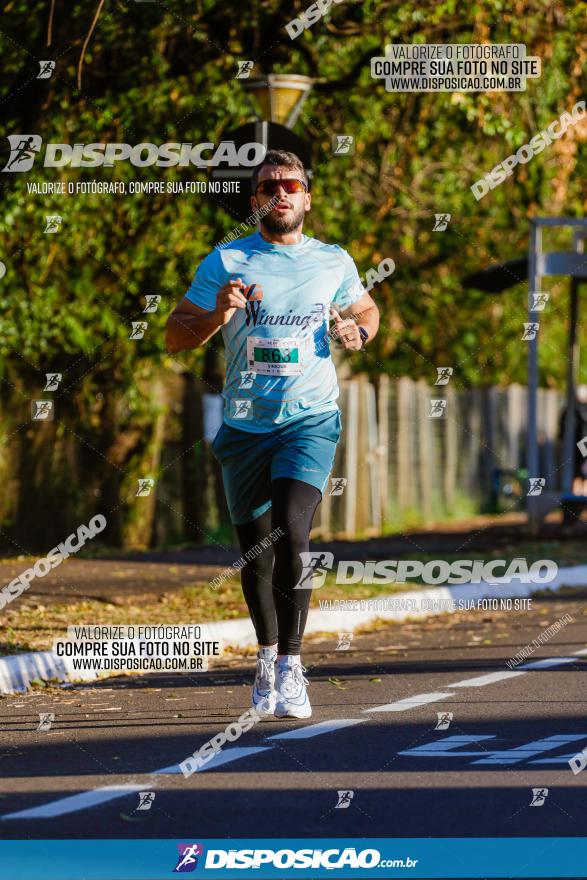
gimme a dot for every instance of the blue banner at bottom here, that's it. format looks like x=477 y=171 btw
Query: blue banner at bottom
x=416 y=857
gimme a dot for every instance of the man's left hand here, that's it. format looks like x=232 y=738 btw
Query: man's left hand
x=346 y=332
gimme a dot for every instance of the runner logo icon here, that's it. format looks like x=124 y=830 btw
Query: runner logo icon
x=539 y=796
x=344 y=799
x=188 y=857
x=314 y=564
x=23 y=150
x=46 y=69
x=444 y=719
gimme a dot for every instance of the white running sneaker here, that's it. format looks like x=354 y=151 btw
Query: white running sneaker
x=264 y=696
x=292 y=696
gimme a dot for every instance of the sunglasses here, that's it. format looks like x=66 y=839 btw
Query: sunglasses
x=290 y=185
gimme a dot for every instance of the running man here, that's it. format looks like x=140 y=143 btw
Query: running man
x=271 y=294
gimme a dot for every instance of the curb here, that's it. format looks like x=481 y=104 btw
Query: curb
x=18 y=670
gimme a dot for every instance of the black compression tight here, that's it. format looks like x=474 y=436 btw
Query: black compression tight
x=278 y=611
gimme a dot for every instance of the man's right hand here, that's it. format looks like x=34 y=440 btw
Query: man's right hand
x=228 y=299
x=190 y=326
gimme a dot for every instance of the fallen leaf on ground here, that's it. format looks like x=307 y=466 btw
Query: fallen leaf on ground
x=337 y=683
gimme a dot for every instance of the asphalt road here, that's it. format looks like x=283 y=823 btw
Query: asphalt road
x=407 y=778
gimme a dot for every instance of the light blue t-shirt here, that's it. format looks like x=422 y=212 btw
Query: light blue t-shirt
x=278 y=363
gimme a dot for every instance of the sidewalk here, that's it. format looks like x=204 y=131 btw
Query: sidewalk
x=153 y=574
x=175 y=587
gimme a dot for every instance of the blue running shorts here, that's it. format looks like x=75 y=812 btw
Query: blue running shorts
x=302 y=449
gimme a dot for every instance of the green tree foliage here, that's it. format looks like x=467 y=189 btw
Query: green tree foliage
x=159 y=72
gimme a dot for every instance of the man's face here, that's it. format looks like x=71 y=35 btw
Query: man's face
x=288 y=214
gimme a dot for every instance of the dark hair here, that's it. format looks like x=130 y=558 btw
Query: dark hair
x=280 y=158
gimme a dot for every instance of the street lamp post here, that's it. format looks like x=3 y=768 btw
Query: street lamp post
x=280 y=96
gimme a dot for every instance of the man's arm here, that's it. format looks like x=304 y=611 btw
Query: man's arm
x=190 y=326
x=363 y=313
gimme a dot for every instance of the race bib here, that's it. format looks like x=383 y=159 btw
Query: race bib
x=276 y=357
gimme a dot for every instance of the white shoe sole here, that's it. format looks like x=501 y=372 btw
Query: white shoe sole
x=286 y=710
x=265 y=707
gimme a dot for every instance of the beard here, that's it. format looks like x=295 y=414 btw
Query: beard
x=275 y=223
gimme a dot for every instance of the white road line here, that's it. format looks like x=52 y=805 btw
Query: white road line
x=445 y=745
x=528 y=750
x=317 y=729
x=410 y=702
x=479 y=681
x=223 y=757
x=491 y=677
x=75 y=802
x=88 y=799
x=482 y=680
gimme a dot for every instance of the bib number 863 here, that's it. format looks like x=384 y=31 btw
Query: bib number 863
x=276 y=356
